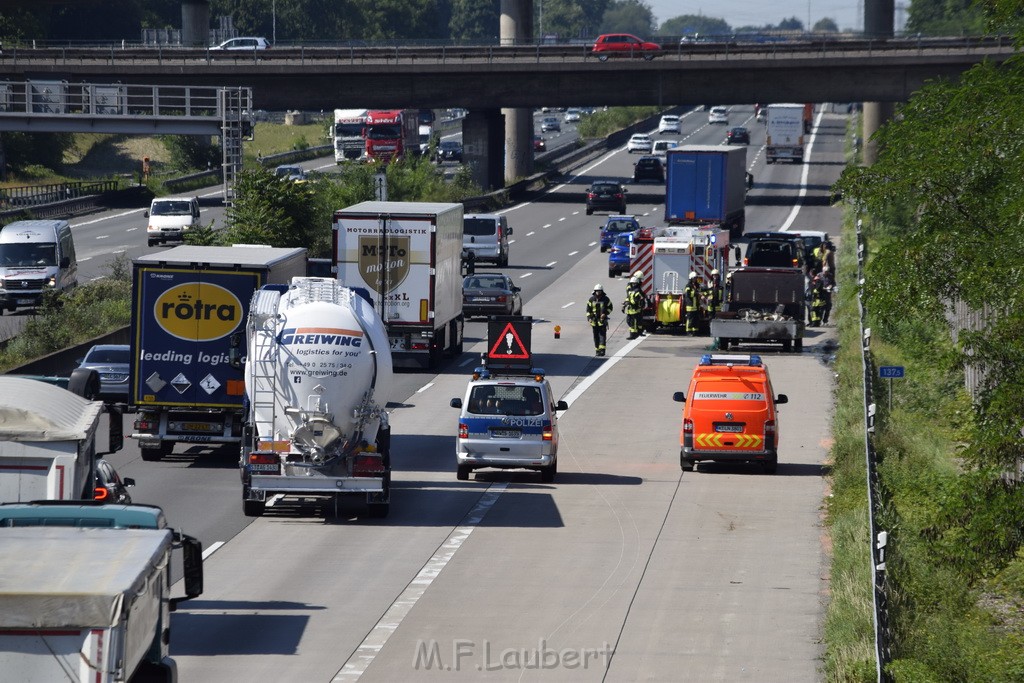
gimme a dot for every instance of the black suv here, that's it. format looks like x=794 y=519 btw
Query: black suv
x=606 y=195
x=774 y=250
x=738 y=136
x=648 y=168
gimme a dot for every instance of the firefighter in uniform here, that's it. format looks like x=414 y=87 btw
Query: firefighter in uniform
x=714 y=294
x=817 y=301
x=634 y=306
x=691 y=303
x=599 y=307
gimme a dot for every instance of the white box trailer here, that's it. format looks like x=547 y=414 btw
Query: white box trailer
x=84 y=604
x=407 y=257
x=785 y=133
x=47 y=441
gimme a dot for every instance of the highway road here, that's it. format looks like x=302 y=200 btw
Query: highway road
x=623 y=569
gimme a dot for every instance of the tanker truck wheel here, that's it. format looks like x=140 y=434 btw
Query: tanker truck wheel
x=254 y=508
x=376 y=509
x=462 y=473
x=84 y=382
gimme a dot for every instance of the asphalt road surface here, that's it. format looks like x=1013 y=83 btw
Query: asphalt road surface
x=623 y=569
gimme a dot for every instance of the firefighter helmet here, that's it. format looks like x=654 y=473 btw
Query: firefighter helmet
x=598 y=287
x=714 y=271
x=638 y=275
x=693 y=275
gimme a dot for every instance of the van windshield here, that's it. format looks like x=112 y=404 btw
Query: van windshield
x=478 y=227
x=171 y=209
x=506 y=400
x=36 y=254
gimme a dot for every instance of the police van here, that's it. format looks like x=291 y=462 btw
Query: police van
x=729 y=413
x=508 y=421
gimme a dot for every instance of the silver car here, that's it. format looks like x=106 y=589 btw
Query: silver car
x=111 y=362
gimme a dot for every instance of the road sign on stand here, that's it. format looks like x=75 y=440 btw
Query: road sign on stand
x=508 y=343
x=891 y=372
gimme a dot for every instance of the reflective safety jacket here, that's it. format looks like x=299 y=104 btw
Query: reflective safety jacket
x=636 y=300
x=598 y=310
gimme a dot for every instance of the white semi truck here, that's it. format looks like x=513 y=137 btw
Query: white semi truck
x=408 y=257
x=48 y=445
x=785 y=131
x=349 y=134
x=318 y=376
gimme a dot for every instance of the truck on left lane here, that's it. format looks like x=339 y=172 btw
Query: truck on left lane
x=69 y=612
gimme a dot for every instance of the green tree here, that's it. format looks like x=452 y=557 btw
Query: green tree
x=25 y=150
x=190 y=152
x=628 y=16
x=695 y=24
x=946 y=17
x=825 y=25
x=475 y=21
x=791 y=24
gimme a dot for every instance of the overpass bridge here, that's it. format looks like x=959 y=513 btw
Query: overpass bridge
x=487 y=79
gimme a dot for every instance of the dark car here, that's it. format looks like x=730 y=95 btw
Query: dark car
x=774 y=250
x=606 y=195
x=615 y=226
x=738 y=136
x=538 y=144
x=109 y=487
x=111 y=362
x=648 y=169
x=449 y=150
x=485 y=294
x=618 y=254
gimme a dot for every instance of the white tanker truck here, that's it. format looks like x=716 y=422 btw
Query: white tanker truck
x=317 y=379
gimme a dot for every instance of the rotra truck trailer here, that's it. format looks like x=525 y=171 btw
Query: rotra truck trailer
x=408 y=256
x=187 y=302
x=706 y=185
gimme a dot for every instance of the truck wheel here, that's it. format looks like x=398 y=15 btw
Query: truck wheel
x=769 y=160
x=153 y=672
x=85 y=383
x=603 y=248
x=590 y=211
x=611 y=272
x=378 y=510
x=547 y=474
x=798 y=345
x=787 y=346
x=685 y=464
x=770 y=465
x=723 y=344
x=462 y=474
x=503 y=261
x=253 y=508
x=151 y=454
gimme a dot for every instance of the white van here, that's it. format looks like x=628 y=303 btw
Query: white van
x=35 y=257
x=170 y=218
x=486 y=236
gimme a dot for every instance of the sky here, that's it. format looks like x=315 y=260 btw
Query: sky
x=848 y=14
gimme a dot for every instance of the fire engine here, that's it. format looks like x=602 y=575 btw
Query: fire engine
x=666 y=257
x=391 y=134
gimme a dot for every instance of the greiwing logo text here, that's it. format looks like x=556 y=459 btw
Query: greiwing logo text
x=384 y=264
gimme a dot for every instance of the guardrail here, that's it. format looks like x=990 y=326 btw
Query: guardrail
x=418 y=54
x=877 y=495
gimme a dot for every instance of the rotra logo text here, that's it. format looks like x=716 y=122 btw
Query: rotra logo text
x=198 y=312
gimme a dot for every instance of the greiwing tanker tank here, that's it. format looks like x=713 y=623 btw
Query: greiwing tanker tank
x=317 y=379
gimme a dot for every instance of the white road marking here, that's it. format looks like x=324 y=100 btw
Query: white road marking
x=551 y=264
x=107 y=218
x=530 y=233
x=467 y=361
x=575 y=213
x=525 y=275
x=274 y=499
x=573 y=253
x=578 y=390
x=102 y=237
x=214 y=547
x=131 y=229
x=561 y=219
x=424 y=387
x=591 y=244
x=545 y=227
x=375 y=640
x=798 y=203
x=511 y=241
x=571 y=303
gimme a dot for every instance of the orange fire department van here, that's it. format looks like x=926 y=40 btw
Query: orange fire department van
x=729 y=413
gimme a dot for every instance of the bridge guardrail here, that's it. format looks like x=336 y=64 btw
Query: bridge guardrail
x=413 y=54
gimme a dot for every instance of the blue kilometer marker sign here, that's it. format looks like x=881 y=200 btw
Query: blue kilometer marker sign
x=891 y=371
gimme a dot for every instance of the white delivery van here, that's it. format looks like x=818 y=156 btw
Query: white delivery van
x=486 y=236
x=170 y=218
x=36 y=257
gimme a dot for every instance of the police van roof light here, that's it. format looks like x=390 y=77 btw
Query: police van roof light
x=730 y=359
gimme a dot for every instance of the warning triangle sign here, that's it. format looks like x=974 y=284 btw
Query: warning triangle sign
x=508 y=346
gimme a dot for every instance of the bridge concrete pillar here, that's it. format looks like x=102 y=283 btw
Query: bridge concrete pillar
x=195 y=23
x=516 y=26
x=879 y=22
x=874 y=117
x=482 y=138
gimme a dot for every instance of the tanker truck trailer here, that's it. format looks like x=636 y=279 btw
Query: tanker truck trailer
x=318 y=374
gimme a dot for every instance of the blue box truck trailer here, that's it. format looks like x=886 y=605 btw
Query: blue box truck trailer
x=706 y=184
x=187 y=302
